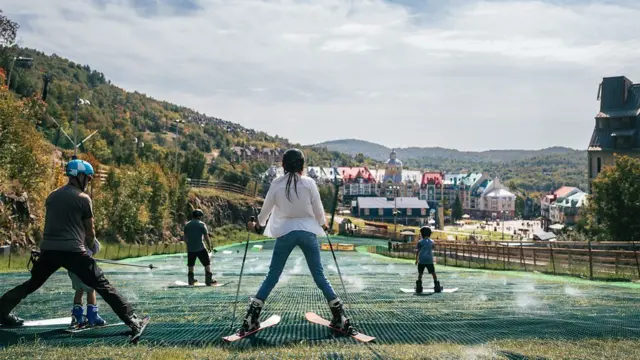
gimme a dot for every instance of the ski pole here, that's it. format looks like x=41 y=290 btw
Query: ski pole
x=344 y=289
x=334 y=206
x=150 y=266
x=246 y=248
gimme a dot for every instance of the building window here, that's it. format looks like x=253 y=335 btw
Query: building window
x=408 y=212
x=590 y=169
x=381 y=211
x=599 y=166
x=423 y=212
x=366 y=212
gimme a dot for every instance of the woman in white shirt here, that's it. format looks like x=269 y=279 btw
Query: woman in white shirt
x=292 y=213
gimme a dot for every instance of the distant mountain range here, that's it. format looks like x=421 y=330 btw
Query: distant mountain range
x=381 y=152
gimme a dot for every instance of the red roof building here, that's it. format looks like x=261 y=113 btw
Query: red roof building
x=432 y=178
x=352 y=174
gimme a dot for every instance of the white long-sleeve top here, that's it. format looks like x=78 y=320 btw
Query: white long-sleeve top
x=303 y=212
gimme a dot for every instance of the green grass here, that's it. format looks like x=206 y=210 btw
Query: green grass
x=516 y=349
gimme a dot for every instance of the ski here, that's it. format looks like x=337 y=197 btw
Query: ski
x=428 y=291
x=317 y=319
x=75 y=330
x=136 y=336
x=182 y=284
x=45 y=322
x=272 y=321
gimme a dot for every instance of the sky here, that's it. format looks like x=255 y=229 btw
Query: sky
x=465 y=74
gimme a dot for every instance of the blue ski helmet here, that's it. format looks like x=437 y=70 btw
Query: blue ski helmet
x=76 y=167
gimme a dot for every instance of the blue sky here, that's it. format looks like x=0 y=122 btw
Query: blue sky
x=466 y=74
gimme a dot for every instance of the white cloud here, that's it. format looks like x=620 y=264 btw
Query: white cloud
x=475 y=75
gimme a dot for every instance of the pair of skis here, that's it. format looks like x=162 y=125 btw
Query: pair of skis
x=182 y=284
x=312 y=317
x=132 y=339
x=74 y=330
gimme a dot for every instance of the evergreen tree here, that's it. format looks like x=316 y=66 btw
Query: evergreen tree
x=457 y=209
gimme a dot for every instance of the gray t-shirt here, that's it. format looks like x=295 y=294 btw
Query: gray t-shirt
x=425 y=251
x=194 y=232
x=66 y=209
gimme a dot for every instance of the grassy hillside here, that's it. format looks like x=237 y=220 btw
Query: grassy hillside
x=125 y=120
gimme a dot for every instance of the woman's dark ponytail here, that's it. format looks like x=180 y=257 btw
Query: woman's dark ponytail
x=293 y=163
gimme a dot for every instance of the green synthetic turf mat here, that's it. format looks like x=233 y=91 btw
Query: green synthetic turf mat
x=488 y=305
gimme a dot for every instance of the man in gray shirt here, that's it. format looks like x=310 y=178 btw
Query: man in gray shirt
x=68 y=232
x=195 y=231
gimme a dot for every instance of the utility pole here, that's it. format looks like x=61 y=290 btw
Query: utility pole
x=395 y=212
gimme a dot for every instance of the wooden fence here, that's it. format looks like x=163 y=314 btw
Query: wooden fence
x=604 y=260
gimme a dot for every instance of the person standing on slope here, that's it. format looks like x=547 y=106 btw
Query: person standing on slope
x=424 y=259
x=78 y=319
x=195 y=231
x=292 y=213
x=68 y=232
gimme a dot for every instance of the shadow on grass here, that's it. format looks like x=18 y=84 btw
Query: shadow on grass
x=515 y=356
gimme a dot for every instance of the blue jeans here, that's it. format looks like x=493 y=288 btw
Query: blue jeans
x=284 y=245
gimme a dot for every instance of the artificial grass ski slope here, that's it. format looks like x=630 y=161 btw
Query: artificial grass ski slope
x=488 y=307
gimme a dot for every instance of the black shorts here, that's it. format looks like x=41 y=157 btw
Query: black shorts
x=430 y=268
x=202 y=255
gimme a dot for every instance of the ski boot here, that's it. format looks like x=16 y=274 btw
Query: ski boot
x=339 y=320
x=191 y=279
x=209 y=279
x=436 y=287
x=10 y=319
x=418 y=286
x=252 y=319
x=93 y=317
x=137 y=325
x=77 y=316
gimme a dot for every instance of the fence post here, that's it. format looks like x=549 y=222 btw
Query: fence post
x=524 y=262
x=119 y=247
x=534 y=257
x=470 y=254
x=590 y=262
x=484 y=248
x=508 y=255
x=445 y=255
x=616 y=264
x=504 y=263
x=553 y=262
x=106 y=251
x=456 y=254
x=10 y=249
x=129 y=250
x=635 y=254
x=139 y=244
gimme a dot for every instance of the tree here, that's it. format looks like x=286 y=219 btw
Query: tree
x=615 y=199
x=457 y=209
x=8 y=30
x=157 y=202
x=519 y=206
x=326 y=195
